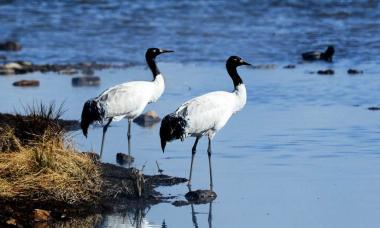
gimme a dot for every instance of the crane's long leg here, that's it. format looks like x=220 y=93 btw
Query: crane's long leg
x=193 y=151
x=209 y=162
x=129 y=136
x=194 y=216
x=104 y=135
x=210 y=215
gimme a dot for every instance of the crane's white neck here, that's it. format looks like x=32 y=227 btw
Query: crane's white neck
x=159 y=87
x=241 y=96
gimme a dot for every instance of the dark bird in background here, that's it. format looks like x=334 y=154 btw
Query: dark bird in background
x=317 y=55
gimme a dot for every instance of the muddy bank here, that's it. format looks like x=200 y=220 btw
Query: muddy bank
x=122 y=188
x=12 y=121
x=24 y=67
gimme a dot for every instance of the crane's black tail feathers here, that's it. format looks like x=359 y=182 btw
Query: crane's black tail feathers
x=90 y=113
x=172 y=127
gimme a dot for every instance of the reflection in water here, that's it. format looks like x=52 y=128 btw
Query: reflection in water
x=135 y=218
x=194 y=216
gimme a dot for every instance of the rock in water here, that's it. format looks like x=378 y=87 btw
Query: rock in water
x=354 y=71
x=10 y=46
x=374 y=108
x=27 y=83
x=94 y=156
x=14 y=66
x=326 y=72
x=147 y=119
x=290 y=66
x=123 y=159
x=86 y=81
x=200 y=196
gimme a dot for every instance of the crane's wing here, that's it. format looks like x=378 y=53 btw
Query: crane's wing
x=126 y=99
x=207 y=112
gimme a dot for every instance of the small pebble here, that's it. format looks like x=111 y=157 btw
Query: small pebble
x=40 y=215
x=326 y=72
x=290 y=66
x=27 y=83
x=354 y=71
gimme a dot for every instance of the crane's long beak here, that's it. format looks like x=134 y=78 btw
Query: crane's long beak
x=242 y=62
x=163 y=144
x=165 y=51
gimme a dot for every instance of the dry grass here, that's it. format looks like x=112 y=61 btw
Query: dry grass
x=37 y=120
x=48 y=169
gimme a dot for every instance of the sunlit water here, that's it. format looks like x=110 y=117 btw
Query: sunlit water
x=200 y=31
x=304 y=152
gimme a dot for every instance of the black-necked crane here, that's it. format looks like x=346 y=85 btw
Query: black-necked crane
x=126 y=100
x=205 y=115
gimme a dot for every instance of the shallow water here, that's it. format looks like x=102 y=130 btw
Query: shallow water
x=302 y=153
x=200 y=31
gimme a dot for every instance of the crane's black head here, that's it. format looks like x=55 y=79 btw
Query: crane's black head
x=235 y=61
x=152 y=53
x=232 y=63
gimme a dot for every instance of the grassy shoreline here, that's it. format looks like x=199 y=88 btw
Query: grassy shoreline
x=40 y=168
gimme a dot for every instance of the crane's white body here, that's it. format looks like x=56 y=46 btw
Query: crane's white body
x=128 y=100
x=207 y=114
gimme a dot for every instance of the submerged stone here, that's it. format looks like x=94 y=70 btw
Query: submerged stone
x=124 y=159
x=85 y=81
x=147 y=119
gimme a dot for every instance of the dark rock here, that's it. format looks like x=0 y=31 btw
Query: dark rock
x=27 y=83
x=326 y=72
x=86 y=81
x=147 y=119
x=354 y=71
x=290 y=66
x=94 y=156
x=123 y=159
x=374 y=108
x=10 y=46
x=200 y=196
